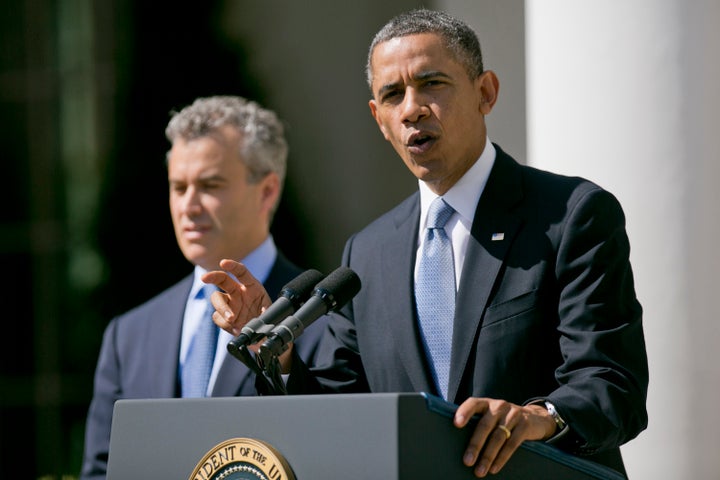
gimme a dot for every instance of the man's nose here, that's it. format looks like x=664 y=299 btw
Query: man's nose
x=414 y=106
x=191 y=202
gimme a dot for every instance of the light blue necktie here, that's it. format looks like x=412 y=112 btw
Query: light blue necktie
x=435 y=293
x=199 y=362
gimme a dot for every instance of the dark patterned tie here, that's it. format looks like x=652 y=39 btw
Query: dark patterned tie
x=435 y=293
x=199 y=362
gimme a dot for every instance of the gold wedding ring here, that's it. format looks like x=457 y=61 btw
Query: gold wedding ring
x=505 y=430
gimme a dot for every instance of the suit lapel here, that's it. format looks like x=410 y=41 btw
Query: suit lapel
x=398 y=258
x=167 y=327
x=492 y=233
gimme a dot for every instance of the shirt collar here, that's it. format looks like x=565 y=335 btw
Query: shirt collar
x=464 y=196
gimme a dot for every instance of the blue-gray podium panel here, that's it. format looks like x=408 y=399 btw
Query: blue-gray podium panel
x=363 y=436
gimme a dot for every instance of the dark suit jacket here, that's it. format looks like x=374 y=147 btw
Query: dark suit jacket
x=548 y=311
x=139 y=359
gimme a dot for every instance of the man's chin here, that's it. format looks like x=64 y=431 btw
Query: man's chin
x=198 y=255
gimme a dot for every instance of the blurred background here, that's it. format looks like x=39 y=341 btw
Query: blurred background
x=86 y=88
x=624 y=93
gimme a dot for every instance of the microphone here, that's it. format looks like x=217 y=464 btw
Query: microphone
x=291 y=297
x=330 y=294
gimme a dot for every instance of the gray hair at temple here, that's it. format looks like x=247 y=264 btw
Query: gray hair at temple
x=457 y=36
x=263 y=148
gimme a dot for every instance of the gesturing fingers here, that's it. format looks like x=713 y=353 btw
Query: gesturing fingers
x=248 y=289
x=231 y=278
x=242 y=298
x=223 y=315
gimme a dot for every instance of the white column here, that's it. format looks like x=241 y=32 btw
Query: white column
x=625 y=93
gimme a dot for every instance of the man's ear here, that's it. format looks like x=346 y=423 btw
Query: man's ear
x=269 y=191
x=488 y=87
x=373 y=110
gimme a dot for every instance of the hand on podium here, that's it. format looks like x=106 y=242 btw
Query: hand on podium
x=502 y=427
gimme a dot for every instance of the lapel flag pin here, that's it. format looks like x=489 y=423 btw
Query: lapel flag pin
x=497 y=237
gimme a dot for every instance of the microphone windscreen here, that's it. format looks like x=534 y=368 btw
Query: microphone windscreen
x=342 y=285
x=302 y=286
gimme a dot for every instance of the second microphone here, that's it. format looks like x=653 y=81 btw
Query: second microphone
x=332 y=293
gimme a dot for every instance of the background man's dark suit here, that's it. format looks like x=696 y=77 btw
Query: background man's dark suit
x=546 y=308
x=140 y=351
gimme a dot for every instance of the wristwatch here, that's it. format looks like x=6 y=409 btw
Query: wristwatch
x=561 y=424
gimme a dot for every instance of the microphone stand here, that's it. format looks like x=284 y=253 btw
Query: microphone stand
x=268 y=384
x=268 y=361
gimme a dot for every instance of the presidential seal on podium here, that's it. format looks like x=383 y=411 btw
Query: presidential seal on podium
x=242 y=459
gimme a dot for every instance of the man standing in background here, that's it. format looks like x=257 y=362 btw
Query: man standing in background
x=226 y=169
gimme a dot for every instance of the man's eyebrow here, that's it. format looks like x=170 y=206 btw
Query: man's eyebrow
x=421 y=76
x=215 y=177
x=203 y=179
x=388 y=88
x=430 y=74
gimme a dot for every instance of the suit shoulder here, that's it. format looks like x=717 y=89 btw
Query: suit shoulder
x=541 y=195
x=549 y=187
x=157 y=305
x=535 y=177
x=570 y=199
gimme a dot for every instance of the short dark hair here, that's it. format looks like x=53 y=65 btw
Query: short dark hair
x=457 y=36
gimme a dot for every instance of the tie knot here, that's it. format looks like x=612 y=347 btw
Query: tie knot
x=439 y=213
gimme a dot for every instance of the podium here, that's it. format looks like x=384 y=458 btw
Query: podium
x=361 y=436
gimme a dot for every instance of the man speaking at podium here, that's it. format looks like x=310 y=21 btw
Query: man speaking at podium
x=502 y=288
x=225 y=170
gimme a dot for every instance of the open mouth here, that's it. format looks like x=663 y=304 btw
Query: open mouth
x=420 y=142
